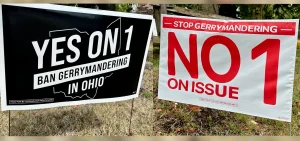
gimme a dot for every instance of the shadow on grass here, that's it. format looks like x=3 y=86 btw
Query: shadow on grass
x=52 y=122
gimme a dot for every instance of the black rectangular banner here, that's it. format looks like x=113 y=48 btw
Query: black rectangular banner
x=53 y=55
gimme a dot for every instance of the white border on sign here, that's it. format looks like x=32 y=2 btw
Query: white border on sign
x=4 y=105
x=83 y=10
x=2 y=65
x=223 y=20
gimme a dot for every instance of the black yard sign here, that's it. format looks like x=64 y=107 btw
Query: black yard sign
x=52 y=55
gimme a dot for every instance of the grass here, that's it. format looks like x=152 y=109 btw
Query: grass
x=4 y=123
x=105 y=119
x=158 y=118
x=179 y=119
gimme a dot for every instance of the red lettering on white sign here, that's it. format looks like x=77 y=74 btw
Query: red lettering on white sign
x=270 y=28
x=270 y=46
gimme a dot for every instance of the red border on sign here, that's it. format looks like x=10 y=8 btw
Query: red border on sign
x=246 y=27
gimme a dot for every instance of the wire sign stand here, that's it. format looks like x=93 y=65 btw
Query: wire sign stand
x=9 y=123
x=131 y=113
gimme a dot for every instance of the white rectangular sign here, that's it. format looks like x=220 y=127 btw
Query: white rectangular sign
x=243 y=66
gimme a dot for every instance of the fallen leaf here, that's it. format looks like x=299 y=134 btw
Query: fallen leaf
x=192 y=129
x=298 y=104
x=177 y=129
x=298 y=113
x=245 y=128
x=253 y=122
x=75 y=107
x=159 y=110
x=194 y=108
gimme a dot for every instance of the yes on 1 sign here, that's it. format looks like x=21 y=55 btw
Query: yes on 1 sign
x=53 y=55
x=243 y=66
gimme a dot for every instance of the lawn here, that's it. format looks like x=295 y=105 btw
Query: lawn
x=182 y=119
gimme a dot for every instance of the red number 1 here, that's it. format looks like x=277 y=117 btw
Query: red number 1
x=271 y=47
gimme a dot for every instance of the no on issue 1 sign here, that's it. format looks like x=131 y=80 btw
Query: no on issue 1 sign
x=243 y=66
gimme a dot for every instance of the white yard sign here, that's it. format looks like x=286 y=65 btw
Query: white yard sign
x=243 y=66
